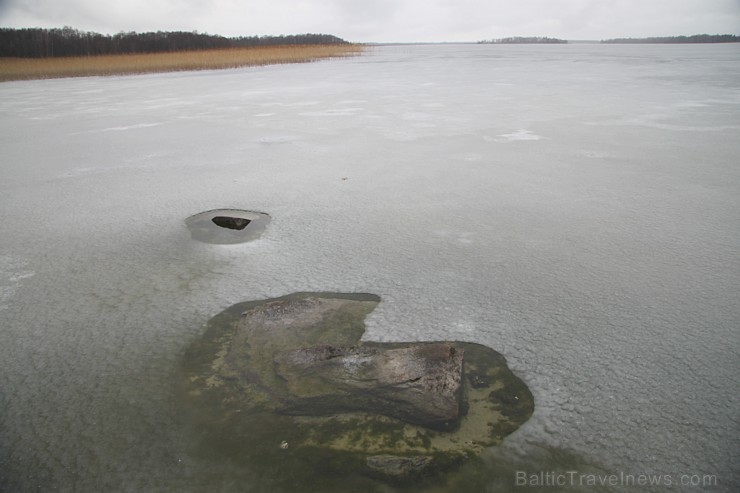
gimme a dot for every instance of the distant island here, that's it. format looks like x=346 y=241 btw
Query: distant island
x=697 y=38
x=69 y=42
x=524 y=40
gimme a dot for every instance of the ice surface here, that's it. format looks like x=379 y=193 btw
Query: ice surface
x=574 y=207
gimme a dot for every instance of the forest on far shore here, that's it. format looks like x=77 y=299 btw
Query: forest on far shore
x=697 y=38
x=68 y=42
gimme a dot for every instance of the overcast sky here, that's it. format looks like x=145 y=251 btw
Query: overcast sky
x=386 y=20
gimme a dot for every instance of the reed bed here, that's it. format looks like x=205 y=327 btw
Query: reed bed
x=48 y=68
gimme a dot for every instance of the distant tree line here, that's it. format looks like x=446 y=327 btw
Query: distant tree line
x=65 y=42
x=524 y=40
x=697 y=38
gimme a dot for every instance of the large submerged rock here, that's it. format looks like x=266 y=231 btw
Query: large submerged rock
x=420 y=384
x=289 y=380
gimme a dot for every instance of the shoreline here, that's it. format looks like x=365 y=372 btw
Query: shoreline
x=19 y=69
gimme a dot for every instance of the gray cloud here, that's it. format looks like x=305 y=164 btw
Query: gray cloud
x=386 y=20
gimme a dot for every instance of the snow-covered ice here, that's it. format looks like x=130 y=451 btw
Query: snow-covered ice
x=575 y=207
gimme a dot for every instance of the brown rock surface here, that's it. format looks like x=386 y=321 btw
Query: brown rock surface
x=419 y=384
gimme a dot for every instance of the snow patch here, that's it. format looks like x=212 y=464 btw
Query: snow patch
x=130 y=127
x=517 y=136
x=13 y=271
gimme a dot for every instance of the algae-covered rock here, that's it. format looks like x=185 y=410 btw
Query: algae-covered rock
x=289 y=380
x=397 y=467
x=420 y=384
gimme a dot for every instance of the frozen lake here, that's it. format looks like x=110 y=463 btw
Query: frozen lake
x=576 y=208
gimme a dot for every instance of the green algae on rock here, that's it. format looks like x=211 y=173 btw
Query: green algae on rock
x=293 y=379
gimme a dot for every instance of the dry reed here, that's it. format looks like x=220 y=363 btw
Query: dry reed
x=48 y=68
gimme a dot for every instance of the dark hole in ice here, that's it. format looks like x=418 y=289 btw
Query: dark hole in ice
x=227 y=226
x=237 y=223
